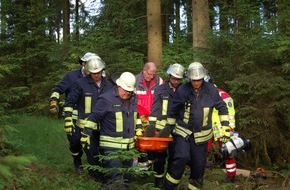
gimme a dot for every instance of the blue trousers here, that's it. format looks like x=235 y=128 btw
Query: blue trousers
x=187 y=152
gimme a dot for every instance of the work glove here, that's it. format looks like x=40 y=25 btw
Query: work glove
x=85 y=138
x=68 y=125
x=225 y=134
x=138 y=133
x=53 y=107
x=145 y=122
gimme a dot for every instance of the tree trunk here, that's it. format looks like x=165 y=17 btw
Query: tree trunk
x=66 y=24
x=154 y=32
x=165 y=23
x=188 y=10
x=200 y=23
x=177 y=17
x=77 y=22
x=3 y=21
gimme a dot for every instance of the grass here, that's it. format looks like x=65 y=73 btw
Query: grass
x=44 y=138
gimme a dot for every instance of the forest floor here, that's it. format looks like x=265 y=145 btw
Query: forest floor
x=44 y=138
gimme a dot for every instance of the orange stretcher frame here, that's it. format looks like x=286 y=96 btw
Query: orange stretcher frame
x=158 y=144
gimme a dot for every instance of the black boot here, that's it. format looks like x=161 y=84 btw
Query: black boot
x=195 y=183
x=78 y=162
x=159 y=182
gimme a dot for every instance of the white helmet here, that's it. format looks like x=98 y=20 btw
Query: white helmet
x=88 y=56
x=206 y=78
x=95 y=65
x=176 y=70
x=196 y=71
x=126 y=81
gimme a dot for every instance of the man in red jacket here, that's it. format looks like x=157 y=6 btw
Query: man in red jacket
x=146 y=82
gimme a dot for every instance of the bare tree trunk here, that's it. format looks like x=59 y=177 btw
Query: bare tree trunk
x=177 y=17
x=200 y=23
x=77 y=21
x=66 y=24
x=165 y=24
x=3 y=21
x=154 y=32
x=188 y=10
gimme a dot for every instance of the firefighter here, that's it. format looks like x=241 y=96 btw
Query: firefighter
x=191 y=116
x=65 y=87
x=84 y=96
x=116 y=113
x=230 y=162
x=163 y=97
x=146 y=82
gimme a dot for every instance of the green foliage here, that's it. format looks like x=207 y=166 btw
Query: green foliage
x=249 y=57
x=123 y=156
x=44 y=138
x=252 y=71
x=10 y=163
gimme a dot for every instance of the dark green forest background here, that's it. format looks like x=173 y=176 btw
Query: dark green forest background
x=248 y=54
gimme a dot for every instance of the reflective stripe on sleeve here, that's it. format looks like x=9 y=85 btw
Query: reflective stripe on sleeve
x=232 y=121
x=68 y=109
x=224 y=118
x=75 y=114
x=150 y=118
x=88 y=124
x=138 y=122
x=55 y=95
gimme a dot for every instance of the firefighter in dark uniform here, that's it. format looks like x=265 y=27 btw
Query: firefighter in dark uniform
x=65 y=87
x=84 y=95
x=116 y=113
x=163 y=97
x=191 y=115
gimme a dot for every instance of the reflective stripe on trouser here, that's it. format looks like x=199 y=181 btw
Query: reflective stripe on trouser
x=195 y=184
x=159 y=163
x=185 y=150
x=230 y=167
x=116 y=142
x=191 y=187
